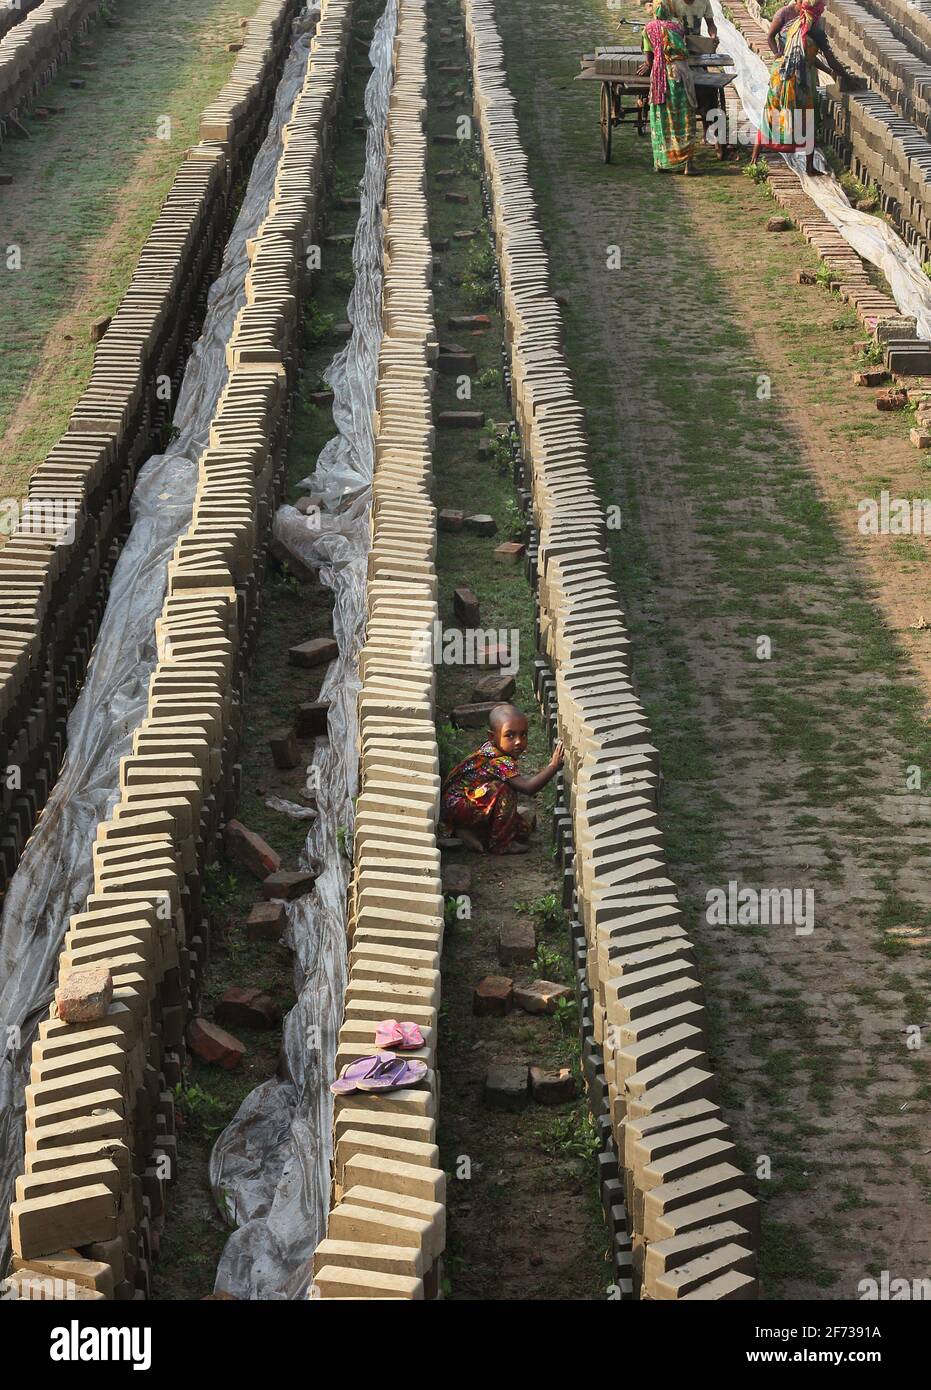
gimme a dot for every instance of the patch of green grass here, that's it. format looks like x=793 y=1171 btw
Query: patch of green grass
x=201 y=1114
x=574 y=1134
x=162 y=62
x=546 y=911
x=786 y=1254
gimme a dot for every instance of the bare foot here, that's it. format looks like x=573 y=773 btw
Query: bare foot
x=471 y=841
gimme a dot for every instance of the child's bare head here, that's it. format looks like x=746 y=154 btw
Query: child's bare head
x=508 y=728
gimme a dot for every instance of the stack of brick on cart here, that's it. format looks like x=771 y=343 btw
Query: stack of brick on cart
x=904 y=351
x=32 y=50
x=691 y=1223
x=55 y=570
x=386 y=1229
x=100 y=1113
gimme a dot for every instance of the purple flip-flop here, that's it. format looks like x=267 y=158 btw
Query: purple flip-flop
x=386 y=1072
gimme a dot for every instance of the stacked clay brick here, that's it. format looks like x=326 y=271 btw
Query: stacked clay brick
x=885 y=149
x=693 y=1226
x=386 y=1228
x=33 y=50
x=895 y=155
x=100 y=1114
x=9 y=18
x=227 y=119
x=909 y=20
x=894 y=71
x=877 y=311
x=880 y=141
x=884 y=133
x=54 y=571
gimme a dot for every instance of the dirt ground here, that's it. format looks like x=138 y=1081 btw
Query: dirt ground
x=725 y=424
x=86 y=187
x=524 y=1218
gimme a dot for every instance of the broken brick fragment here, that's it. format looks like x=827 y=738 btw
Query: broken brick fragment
x=249 y=850
x=493 y=996
x=213 y=1044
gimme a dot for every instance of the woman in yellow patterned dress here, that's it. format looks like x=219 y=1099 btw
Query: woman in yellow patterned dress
x=796 y=36
x=673 y=122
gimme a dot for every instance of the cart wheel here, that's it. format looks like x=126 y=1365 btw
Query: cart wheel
x=607 y=122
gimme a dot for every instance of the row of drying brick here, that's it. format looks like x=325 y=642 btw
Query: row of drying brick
x=876 y=310
x=904 y=351
x=387 y=1223
x=880 y=145
x=32 y=50
x=55 y=568
x=883 y=148
x=860 y=39
x=691 y=1222
x=851 y=277
x=909 y=21
x=15 y=14
x=99 y=1110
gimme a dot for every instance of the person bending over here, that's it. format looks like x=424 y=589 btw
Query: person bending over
x=797 y=38
x=690 y=14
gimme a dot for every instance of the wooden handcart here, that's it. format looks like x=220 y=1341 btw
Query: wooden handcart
x=626 y=94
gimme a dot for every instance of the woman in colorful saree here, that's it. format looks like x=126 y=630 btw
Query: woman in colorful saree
x=673 y=122
x=797 y=38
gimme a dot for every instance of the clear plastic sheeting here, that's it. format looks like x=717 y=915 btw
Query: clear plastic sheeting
x=870 y=237
x=55 y=873
x=290 y=808
x=270 y=1167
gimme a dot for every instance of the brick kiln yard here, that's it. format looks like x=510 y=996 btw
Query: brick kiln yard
x=620 y=490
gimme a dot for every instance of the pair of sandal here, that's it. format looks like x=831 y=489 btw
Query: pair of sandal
x=386 y=1071
x=404 y=1036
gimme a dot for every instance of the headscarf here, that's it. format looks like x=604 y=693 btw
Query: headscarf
x=655 y=32
x=793 y=60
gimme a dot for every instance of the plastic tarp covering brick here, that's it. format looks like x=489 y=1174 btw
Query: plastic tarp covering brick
x=55 y=872
x=270 y=1168
x=870 y=237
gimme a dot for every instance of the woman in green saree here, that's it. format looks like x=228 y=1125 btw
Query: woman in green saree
x=673 y=105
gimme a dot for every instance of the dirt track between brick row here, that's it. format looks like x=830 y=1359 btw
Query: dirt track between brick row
x=739 y=520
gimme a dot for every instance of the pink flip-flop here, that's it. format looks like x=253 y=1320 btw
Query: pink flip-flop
x=404 y=1036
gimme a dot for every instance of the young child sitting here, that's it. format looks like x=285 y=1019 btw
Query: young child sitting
x=479 y=799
